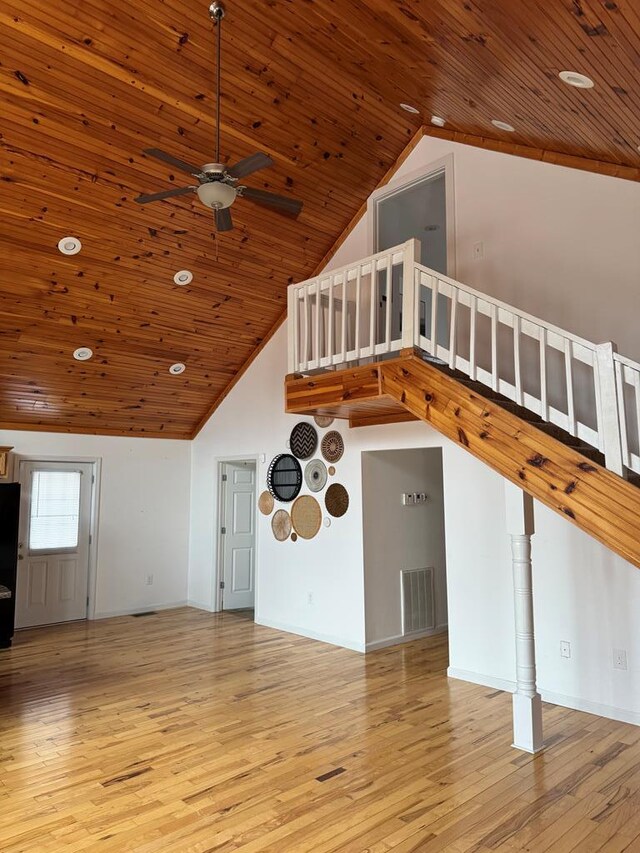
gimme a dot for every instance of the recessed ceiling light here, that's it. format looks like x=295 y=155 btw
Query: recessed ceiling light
x=177 y=368
x=183 y=277
x=69 y=245
x=438 y=121
x=409 y=109
x=83 y=354
x=574 y=78
x=502 y=125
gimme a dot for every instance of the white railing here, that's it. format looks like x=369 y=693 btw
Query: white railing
x=365 y=310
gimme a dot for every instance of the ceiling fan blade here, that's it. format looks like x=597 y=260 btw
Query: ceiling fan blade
x=250 y=165
x=290 y=206
x=144 y=199
x=173 y=161
x=224 y=222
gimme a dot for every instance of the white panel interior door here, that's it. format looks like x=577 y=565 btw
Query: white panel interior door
x=240 y=537
x=53 y=559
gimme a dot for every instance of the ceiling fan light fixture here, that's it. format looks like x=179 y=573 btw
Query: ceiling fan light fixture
x=183 y=277
x=177 y=368
x=577 y=80
x=69 y=245
x=438 y=121
x=216 y=195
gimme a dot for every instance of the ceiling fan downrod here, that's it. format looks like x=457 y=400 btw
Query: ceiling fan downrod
x=216 y=13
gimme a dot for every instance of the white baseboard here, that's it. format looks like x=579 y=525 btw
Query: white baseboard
x=312 y=635
x=610 y=712
x=397 y=639
x=482 y=679
x=141 y=608
x=201 y=605
x=596 y=708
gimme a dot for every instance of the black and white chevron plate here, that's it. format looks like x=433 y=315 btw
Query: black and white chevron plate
x=303 y=440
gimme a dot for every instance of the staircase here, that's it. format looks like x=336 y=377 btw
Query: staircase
x=386 y=340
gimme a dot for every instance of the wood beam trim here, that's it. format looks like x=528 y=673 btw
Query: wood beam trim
x=557 y=475
x=600 y=167
x=415 y=139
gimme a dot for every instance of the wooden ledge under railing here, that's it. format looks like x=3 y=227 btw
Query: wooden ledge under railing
x=566 y=480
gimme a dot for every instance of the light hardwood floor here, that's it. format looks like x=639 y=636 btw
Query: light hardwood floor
x=187 y=732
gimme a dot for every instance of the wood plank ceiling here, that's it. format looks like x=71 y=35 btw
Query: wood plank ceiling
x=86 y=85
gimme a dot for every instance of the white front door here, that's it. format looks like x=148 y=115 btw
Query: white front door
x=239 y=538
x=53 y=556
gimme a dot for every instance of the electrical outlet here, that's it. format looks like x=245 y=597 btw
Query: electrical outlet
x=478 y=251
x=565 y=649
x=619 y=659
x=310 y=599
x=148 y=580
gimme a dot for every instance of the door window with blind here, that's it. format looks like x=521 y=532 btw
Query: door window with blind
x=54 y=511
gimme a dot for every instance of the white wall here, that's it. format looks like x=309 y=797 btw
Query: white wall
x=144 y=514
x=560 y=244
x=398 y=537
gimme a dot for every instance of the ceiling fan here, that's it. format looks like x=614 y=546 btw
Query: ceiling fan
x=218 y=186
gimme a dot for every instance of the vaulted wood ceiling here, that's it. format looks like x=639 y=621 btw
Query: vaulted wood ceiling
x=86 y=85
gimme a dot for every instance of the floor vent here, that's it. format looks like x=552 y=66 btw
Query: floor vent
x=418 y=611
x=144 y=613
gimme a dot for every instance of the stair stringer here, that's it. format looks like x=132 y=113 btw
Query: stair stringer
x=586 y=494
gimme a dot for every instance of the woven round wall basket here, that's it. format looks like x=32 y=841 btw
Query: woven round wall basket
x=306 y=516
x=284 y=477
x=281 y=525
x=323 y=421
x=315 y=475
x=265 y=503
x=336 y=500
x=332 y=446
x=303 y=440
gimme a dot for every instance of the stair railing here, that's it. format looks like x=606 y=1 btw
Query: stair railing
x=377 y=306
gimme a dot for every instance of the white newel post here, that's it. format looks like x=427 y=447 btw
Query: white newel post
x=292 y=330
x=527 y=704
x=411 y=255
x=611 y=410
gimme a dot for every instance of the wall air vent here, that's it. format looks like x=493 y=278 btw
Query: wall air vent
x=418 y=608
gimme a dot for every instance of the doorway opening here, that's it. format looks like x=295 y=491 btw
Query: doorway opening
x=56 y=561
x=421 y=206
x=405 y=575
x=237 y=508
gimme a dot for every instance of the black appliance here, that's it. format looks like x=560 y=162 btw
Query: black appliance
x=9 y=518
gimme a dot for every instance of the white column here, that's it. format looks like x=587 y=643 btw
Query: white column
x=527 y=704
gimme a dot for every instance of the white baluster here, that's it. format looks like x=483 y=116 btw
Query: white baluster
x=453 y=329
x=357 y=329
x=568 y=366
x=473 y=303
x=495 y=379
x=544 y=399
x=434 y=315
x=410 y=321
x=517 y=369
x=612 y=411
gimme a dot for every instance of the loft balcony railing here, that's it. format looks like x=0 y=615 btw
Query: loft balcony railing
x=387 y=302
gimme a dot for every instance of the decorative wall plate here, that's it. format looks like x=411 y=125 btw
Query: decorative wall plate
x=284 y=477
x=306 y=516
x=332 y=446
x=332 y=470
x=303 y=440
x=315 y=475
x=281 y=525
x=323 y=420
x=336 y=500
x=294 y=536
x=265 y=503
